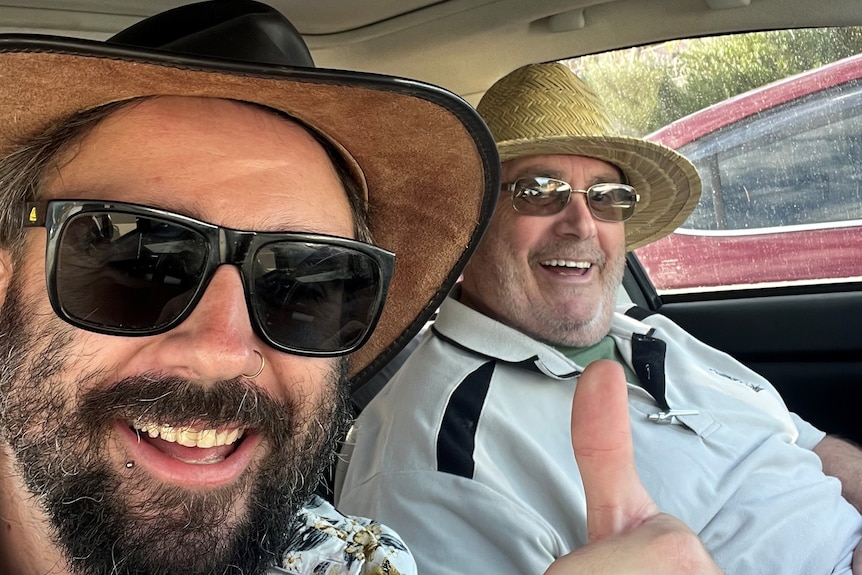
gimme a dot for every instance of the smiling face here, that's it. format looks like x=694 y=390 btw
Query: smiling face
x=554 y=277
x=154 y=454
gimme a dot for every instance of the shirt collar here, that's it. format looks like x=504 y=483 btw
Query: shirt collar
x=479 y=333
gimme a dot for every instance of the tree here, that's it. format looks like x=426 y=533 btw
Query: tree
x=649 y=87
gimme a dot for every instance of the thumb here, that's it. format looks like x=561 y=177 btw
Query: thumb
x=602 y=441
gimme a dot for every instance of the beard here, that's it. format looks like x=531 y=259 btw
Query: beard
x=112 y=523
x=565 y=319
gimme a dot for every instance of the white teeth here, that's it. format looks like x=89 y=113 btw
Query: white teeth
x=567 y=264
x=189 y=436
x=207 y=438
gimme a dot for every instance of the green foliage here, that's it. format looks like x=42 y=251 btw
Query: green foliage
x=647 y=88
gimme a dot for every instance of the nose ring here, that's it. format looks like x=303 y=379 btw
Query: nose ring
x=262 y=365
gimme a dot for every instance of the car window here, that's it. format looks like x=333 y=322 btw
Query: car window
x=774 y=129
x=791 y=165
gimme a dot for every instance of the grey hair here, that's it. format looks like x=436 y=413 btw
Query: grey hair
x=23 y=171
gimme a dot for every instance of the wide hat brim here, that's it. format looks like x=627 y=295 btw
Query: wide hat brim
x=429 y=163
x=667 y=183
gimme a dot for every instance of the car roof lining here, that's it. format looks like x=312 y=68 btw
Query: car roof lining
x=462 y=45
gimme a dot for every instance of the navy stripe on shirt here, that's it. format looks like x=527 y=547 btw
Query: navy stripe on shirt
x=456 y=441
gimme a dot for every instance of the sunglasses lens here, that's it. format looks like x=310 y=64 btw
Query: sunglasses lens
x=540 y=196
x=127 y=273
x=316 y=297
x=612 y=202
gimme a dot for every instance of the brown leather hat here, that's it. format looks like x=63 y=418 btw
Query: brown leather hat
x=428 y=163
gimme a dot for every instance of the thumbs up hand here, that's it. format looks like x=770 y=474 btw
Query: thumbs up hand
x=627 y=533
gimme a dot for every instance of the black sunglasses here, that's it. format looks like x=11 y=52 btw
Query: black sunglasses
x=130 y=270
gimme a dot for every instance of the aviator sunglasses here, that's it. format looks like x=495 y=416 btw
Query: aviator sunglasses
x=130 y=270
x=540 y=196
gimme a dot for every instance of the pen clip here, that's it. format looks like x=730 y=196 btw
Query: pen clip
x=670 y=416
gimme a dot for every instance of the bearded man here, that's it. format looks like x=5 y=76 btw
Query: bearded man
x=189 y=280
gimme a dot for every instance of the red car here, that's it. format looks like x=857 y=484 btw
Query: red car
x=782 y=187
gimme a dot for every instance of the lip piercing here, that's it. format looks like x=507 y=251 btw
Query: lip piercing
x=130 y=464
x=259 y=371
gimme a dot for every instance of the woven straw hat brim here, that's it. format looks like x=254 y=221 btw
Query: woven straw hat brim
x=668 y=184
x=429 y=162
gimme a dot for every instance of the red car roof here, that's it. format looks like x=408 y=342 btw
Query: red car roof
x=710 y=119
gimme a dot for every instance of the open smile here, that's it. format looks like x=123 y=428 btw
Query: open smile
x=567 y=267
x=190 y=454
x=190 y=436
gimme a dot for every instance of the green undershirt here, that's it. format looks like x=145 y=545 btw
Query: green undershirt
x=605 y=349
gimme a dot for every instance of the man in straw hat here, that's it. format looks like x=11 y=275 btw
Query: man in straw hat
x=483 y=467
x=189 y=280
x=167 y=414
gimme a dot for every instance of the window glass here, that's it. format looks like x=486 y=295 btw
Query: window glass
x=773 y=123
x=790 y=165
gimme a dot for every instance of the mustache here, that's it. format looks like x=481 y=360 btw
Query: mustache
x=571 y=250
x=177 y=401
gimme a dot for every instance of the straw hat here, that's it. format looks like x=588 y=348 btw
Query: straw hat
x=426 y=159
x=544 y=109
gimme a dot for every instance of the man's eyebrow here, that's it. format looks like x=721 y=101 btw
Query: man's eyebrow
x=613 y=176
x=534 y=171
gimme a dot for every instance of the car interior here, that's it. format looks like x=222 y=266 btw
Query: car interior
x=802 y=336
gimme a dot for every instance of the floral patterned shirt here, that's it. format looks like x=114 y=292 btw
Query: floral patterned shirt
x=330 y=543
